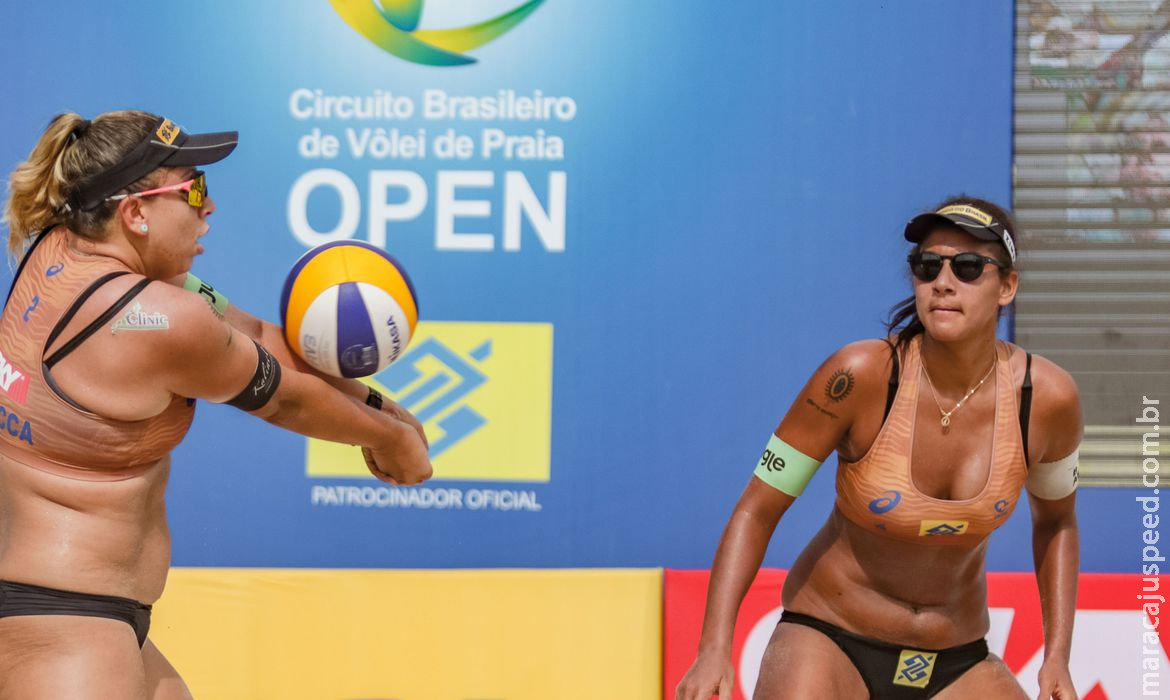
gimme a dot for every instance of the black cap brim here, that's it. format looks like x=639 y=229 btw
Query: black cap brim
x=920 y=227
x=201 y=149
x=166 y=145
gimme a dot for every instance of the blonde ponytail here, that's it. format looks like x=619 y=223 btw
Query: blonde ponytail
x=70 y=150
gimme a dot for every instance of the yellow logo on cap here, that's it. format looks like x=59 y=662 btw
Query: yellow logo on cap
x=914 y=668
x=968 y=211
x=167 y=132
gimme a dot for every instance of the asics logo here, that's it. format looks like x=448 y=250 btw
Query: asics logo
x=886 y=503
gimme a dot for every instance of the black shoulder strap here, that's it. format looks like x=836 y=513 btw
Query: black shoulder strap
x=1026 y=403
x=97 y=323
x=23 y=261
x=892 y=388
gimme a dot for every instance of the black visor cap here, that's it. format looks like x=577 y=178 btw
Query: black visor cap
x=166 y=146
x=964 y=217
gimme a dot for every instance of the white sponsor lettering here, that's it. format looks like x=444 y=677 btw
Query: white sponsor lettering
x=13 y=382
x=423 y=498
x=399 y=196
x=138 y=320
x=8 y=374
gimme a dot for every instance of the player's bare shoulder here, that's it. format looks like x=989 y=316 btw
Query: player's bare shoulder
x=844 y=387
x=170 y=322
x=1059 y=387
x=1056 y=409
x=1054 y=391
x=851 y=377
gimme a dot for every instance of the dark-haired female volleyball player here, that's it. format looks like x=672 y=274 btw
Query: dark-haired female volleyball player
x=937 y=431
x=101 y=361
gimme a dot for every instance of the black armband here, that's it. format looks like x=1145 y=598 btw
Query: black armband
x=374 y=399
x=263 y=384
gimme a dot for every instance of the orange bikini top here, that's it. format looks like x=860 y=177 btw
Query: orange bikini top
x=877 y=492
x=42 y=426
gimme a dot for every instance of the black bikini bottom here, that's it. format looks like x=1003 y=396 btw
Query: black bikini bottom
x=896 y=673
x=26 y=599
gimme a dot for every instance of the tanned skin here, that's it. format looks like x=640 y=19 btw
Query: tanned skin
x=916 y=595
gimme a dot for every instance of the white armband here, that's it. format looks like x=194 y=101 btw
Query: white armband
x=1053 y=480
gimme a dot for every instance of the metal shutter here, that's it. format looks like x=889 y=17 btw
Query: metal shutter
x=1092 y=200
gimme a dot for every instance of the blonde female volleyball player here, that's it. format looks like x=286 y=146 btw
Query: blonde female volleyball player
x=937 y=431
x=100 y=364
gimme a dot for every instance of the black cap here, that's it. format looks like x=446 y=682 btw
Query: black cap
x=965 y=217
x=166 y=145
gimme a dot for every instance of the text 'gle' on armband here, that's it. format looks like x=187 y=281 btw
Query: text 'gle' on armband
x=1053 y=481
x=786 y=468
x=263 y=384
x=217 y=300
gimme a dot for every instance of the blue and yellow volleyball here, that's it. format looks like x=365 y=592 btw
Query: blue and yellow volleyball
x=348 y=309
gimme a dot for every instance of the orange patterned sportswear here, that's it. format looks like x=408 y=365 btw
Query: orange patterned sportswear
x=877 y=492
x=39 y=424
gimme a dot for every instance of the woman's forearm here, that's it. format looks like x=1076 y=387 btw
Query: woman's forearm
x=1056 y=551
x=737 y=560
x=272 y=338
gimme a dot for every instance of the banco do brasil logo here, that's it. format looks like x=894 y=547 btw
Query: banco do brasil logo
x=392 y=25
x=483 y=391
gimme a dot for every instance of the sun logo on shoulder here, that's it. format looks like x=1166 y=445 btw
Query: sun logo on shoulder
x=839 y=385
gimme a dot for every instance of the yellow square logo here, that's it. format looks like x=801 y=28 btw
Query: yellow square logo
x=483 y=391
x=914 y=668
x=942 y=528
x=167 y=132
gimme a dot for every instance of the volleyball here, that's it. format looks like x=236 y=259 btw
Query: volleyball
x=348 y=309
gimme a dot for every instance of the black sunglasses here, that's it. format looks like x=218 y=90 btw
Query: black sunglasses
x=968 y=267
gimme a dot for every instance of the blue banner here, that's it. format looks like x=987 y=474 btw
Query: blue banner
x=634 y=228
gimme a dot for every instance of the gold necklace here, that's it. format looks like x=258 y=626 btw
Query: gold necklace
x=945 y=419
